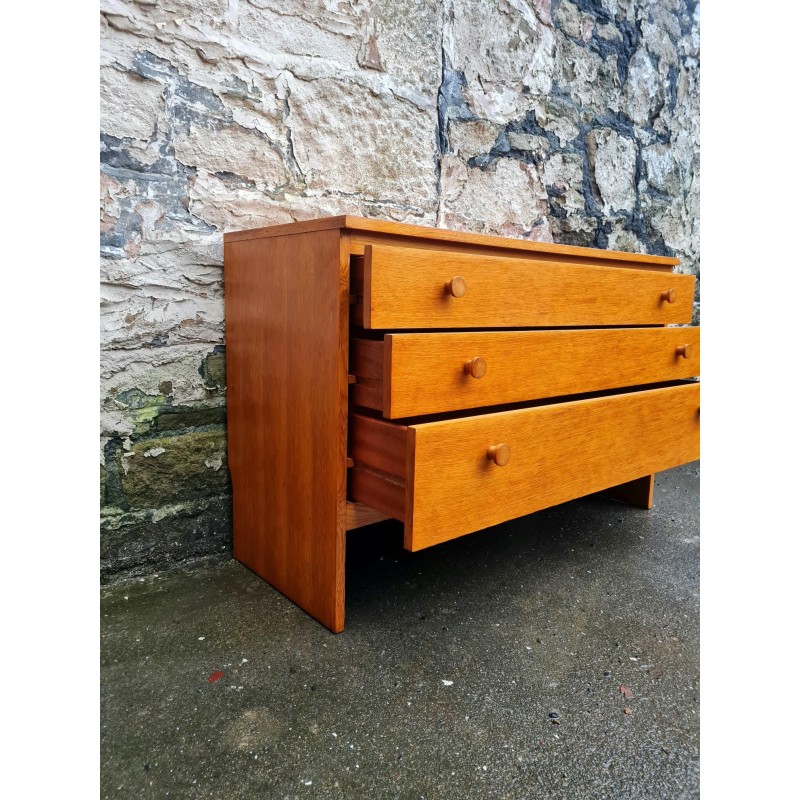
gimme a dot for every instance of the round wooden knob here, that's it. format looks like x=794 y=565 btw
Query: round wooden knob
x=684 y=350
x=669 y=296
x=476 y=367
x=457 y=286
x=499 y=453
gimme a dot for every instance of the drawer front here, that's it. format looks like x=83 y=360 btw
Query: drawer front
x=409 y=374
x=406 y=287
x=556 y=452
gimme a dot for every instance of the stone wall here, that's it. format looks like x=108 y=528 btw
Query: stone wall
x=574 y=122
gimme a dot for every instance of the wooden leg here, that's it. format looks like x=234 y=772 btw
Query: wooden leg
x=637 y=493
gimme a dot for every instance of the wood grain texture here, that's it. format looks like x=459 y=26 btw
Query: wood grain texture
x=404 y=287
x=292 y=292
x=559 y=451
x=426 y=371
x=380 y=446
x=361 y=225
x=366 y=363
x=379 y=490
x=287 y=386
x=637 y=493
x=561 y=254
x=359 y=515
x=499 y=454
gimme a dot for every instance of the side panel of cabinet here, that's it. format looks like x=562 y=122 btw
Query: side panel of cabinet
x=286 y=309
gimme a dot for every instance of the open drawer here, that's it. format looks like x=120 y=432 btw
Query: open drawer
x=411 y=287
x=408 y=374
x=449 y=477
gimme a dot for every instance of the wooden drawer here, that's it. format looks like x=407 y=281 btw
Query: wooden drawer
x=409 y=287
x=408 y=374
x=438 y=476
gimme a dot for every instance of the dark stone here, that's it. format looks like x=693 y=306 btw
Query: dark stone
x=482 y=161
x=149 y=65
x=178 y=474
x=112 y=495
x=591 y=193
x=166 y=179
x=135 y=399
x=212 y=370
x=232 y=180
x=450 y=103
x=196 y=95
x=236 y=87
x=595 y=8
x=555 y=209
x=672 y=87
x=623 y=48
x=618 y=122
x=133 y=544
x=502 y=147
x=173 y=418
x=113 y=239
x=576 y=238
x=528 y=124
x=114 y=153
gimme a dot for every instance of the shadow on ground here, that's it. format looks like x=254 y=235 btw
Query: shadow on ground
x=487 y=667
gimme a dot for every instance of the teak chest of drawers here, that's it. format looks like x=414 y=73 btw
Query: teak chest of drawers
x=448 y=380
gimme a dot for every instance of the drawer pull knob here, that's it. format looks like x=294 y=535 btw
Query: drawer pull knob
x=457 y=286
x=684 y=350
x=476 y=367
x=500 y=454
x=669 y=296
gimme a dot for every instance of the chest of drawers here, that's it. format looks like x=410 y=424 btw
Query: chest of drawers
x=448 y=380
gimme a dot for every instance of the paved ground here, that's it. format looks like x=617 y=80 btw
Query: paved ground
x=488 y=667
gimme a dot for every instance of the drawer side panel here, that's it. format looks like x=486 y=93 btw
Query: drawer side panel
x=377 y=490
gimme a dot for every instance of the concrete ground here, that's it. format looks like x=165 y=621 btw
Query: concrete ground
x=487 y=667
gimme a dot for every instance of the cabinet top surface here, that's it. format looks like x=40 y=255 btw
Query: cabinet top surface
x=374 y=226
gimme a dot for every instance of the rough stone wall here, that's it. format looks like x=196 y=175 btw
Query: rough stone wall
x=574 y=122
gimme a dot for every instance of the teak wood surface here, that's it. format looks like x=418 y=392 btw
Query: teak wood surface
x=361 y=229
x=559 y=451
x=637 y=493
x=286 y=323
x=561 y=254
x=293 y=291
x=404 y=287
x=409 y=374
x=359 y=515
